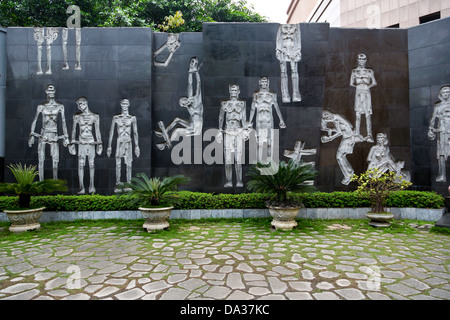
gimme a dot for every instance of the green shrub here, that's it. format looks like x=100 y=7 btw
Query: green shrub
x=198 y=200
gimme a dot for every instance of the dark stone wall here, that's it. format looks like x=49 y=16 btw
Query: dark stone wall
x=387 y=56
x=240 y=53
x=429 y=70
x=409 y=65
x=115 y=64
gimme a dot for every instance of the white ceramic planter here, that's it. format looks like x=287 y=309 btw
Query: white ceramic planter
x=24 y=220
x=283 y=218
x=156 y=218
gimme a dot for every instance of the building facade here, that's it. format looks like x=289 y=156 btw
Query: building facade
x=368 y=13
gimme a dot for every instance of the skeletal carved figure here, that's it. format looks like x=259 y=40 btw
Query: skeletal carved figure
x=363 y=79
x=263 y=101
x=234 y=134
x=49 y=131
x=341 y=127
x=299 y=151
x=87 y=143
x=39 y=37
x=440 y=127
x=381 y=158
x=297 y=154
x=193 y=103
x=288 y=50
x=124 y=149
x=49 y=35
x=172 y=44
x=65 y=35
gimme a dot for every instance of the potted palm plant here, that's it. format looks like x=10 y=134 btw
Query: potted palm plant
x=155 y=197
x=291 y=177
x=377 y=186
x=25 y=217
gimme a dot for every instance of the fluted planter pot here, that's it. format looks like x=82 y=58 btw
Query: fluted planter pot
x=24 y=220
x=380 y=220
x=283 y=218
x=156 y=218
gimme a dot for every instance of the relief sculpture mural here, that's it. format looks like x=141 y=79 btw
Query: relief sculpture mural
x=340 y=127
x=381 y=158
x=65 y=36
x=439 y=129
x=47 y=35
x=363 y=79
x=233 y=134
x=288 y=50
x=127 y=131
x=262 y=104
x=50 y=112
x=172 y=45
x=88 y=143
x=194 y=105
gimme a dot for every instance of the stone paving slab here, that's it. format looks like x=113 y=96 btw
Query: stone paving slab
x=226 y=261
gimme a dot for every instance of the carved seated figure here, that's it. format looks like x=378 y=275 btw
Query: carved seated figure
x=380 y=157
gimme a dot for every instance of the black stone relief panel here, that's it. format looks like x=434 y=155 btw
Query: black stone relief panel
x=113 y=66
x=116 y=63
x=387 y=56
x=428 y=72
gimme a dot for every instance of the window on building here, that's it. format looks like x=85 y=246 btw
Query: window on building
x=397 y=25
x=430 y=17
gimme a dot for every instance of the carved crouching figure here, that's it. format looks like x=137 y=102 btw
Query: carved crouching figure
x=341 y=128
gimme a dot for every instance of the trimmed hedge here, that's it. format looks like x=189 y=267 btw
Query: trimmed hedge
x=197 y=200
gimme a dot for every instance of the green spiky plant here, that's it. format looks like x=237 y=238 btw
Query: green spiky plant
x=290 y=177
x=25 y=186
x=153 y=192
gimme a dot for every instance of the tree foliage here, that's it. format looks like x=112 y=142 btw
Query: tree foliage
x=378 y=185
x=125 y=13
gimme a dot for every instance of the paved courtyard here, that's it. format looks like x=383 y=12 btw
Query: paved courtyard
x=225 y=261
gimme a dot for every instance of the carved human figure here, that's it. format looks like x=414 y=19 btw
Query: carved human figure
x=125 y=123
x=381 y=158
x=50 y=37
x=194 y=105
x=262 y=104
x=299 y=151
x=172 y=44
x=78 y=48
x=49 y=131
x=341 y=127
x=39 y=37
x=288 y=50
x=65 y=36
x=234 y=133
x=88 y=144
x=363 y=79
x=440 y=127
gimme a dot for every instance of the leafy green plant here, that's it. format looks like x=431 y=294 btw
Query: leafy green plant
x=378 y=185
x=25 y=186
x=153 y=192
x=290 y=177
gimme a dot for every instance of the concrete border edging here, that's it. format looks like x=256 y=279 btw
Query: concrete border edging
x=309 y=213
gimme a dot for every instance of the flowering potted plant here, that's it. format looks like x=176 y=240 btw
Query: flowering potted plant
x=377 y=186
x=25 y=217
